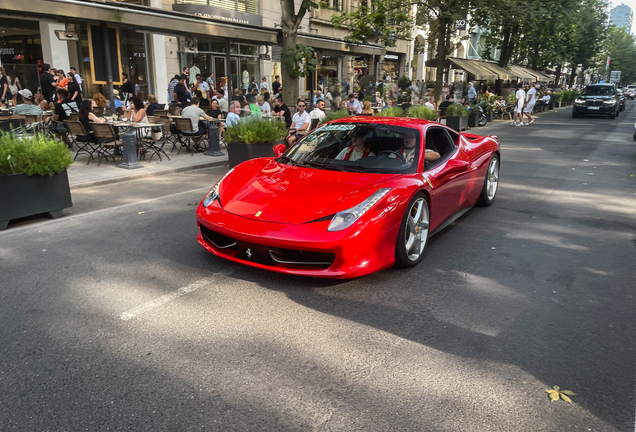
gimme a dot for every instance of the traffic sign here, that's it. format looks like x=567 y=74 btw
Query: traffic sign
x=615 y=77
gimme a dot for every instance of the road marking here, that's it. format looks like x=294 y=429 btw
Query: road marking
x=143 y=308
x=38 y=225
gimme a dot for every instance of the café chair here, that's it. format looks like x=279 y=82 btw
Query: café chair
x=84 y=140
x=160 y=113
x=107 y=141
x=184 y=130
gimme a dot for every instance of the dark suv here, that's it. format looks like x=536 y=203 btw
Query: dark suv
x=597 y=99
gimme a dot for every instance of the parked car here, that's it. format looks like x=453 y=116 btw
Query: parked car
x=598 y=99
x=622 y=98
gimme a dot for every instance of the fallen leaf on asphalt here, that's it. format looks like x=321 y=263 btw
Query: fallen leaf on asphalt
x=142 y=212
x=591 y=174
x=586 y=160
x=632 y=175
x=555 y=393
x=585 y=184
x=573 y=169
x=190 y=204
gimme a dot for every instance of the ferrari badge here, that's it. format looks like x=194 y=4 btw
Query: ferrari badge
x=258 y=214
x=248 y=253
x=430 y=183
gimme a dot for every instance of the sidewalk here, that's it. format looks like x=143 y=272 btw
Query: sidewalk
x=81 y=175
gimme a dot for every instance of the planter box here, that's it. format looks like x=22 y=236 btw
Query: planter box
x=240 y=152
x=488 y=117
x=550 y=106
x=457 y=123
x=23 y=196
x=472 y=120
x=557 y=104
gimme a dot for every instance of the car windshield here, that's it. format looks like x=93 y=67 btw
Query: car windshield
x=358 y=147
x=598 y=91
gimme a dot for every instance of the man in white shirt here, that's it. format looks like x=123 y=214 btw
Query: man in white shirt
x=264 y=106
x=202 y=86
x=353 y=105
x=233 y=117
x=546 y=98
x=300 y=124
x=318 y=112
x=357 y=150
x=521 y=100
x=429 y=103
x=223 y=104
x=530 y=101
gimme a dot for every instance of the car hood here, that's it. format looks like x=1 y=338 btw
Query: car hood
x=263 y=189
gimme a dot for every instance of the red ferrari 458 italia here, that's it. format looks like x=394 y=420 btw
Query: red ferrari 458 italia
x=355 y=196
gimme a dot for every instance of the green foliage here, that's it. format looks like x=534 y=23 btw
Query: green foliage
x=422 y=112
x=299 y=60
x=557 y=97
x=255 y=130
x=493 y=99
x=392 y=112
x=622 y=52
x=512 y=98
x=486 y=106
x=38 y=155
x=333 y=115
x=456 y=110
x=403 y=83
x=474 y=109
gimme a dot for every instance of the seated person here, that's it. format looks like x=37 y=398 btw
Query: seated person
x=357 y=150
x=410 y=146
x=199 y=127
x=301 y=122
x=152 y=105
x=446 y=103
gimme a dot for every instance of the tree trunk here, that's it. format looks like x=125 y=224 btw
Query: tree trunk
x=508 y=45
x=557 y=79
x=289 y=84
x=573 y=75
x=441 y=58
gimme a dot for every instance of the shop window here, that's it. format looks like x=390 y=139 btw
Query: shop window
x=250 y=50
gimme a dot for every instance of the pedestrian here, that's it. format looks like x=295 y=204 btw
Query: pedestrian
x=126 y=89
x=77 y=77
x=171 y=85
x=47 y=83
x=519 y=104
x=74 y=91
x=276 y=85
x=182 y=93
x=529 y=105
x=14 y=86
x=264 y=86
x=472 y=93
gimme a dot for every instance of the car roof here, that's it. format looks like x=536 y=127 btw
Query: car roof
x=394 y=121
x=600 y=85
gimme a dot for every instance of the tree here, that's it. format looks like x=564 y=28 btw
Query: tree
x=622 y=53
x=297 y=59
x=383 y=21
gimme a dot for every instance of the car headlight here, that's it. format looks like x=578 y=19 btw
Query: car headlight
x=609 y=102
x=214 y=193
x=579 y=101
x=346 y=218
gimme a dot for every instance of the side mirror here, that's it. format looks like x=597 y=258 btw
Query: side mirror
x=279 y=149
x=456 y=166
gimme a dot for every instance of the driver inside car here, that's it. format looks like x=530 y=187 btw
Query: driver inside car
x=358 y=150
x=408 y=151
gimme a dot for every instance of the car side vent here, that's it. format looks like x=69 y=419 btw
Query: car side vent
x=323 y=219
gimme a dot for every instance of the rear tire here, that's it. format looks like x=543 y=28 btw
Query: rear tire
x=491 y=183
x=413 y=233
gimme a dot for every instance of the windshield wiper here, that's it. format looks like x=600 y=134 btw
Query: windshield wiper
x=343 y=168
x=287 y=160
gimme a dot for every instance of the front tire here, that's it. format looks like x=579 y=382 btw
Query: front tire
x=413 y=233
x=482 y=120
x=491 y=183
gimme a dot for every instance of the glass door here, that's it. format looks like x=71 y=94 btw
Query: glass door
x=236 y=79
x=219 y=70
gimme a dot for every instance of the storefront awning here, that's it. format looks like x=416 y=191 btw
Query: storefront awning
x=160 y=21
x=339 y=45
x=480 y=69
x=521 y=72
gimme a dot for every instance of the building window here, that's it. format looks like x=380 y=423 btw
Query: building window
x=252 y=7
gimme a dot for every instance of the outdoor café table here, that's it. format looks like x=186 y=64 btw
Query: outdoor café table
x=138 y=127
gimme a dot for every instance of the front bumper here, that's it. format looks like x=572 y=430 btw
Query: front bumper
x=594 y=110
x=302 y=249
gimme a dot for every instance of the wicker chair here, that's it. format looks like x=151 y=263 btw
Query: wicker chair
x=83 y=139
x=184 y=130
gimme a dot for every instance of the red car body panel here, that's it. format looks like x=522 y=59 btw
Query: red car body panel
x=276 y=207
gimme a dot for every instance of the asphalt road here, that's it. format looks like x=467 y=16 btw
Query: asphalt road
x=115 y=320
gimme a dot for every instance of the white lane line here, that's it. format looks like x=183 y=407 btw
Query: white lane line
x=38 y=225
x=143 y=308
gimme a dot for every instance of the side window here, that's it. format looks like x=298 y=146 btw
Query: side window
x=441 y=141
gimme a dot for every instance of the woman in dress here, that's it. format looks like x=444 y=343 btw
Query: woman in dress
x=136 y=113
x=14 y=87
x=86 y=116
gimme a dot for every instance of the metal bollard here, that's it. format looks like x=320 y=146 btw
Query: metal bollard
x=214 y=148
x=130 y=160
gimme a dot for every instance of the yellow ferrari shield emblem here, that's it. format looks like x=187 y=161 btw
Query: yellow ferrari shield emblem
x=429 y=182
x=258 y=214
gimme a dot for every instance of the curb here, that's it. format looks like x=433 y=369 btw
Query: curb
x=138 y=176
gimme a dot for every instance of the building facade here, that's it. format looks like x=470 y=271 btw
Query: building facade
x=152 y=40
x=622 y=16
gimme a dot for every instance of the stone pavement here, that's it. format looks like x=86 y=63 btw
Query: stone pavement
x=82 y=175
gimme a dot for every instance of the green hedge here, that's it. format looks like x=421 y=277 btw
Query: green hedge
x=392 y=112
x=334 y=115
x=422 y=112
x=38 y=155
x=456 y=110
x=251 y=130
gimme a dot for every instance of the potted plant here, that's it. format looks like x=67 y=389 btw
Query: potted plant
x=556 y=99
x=392 y=112
x=422 y=112
x=488 y=109
x=252 y=138
x=457 y=117
x=33 y=177
x=333 y=115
